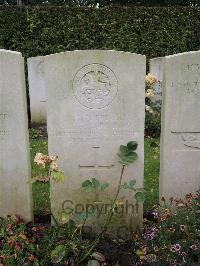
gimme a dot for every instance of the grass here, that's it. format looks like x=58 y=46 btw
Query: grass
x=41 y=190
x=151 y=171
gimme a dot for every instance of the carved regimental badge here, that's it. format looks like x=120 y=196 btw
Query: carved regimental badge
x=95 y=86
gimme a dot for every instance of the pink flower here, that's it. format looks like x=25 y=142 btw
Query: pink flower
x=54 y=166
x=193 y=247
x=40 y=159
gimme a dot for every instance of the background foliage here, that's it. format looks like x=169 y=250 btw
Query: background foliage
x=103 y=3
x=152 y=31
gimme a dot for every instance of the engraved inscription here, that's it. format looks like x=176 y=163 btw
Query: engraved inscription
x=3 y=132
x=3 y=115
x=186 y=106
x=192 y=67
x=3 y=119
x=191 y=141
x=40 y=67
x=95 y=86
x=88 y=135
x=188 y=87
x=95 y=165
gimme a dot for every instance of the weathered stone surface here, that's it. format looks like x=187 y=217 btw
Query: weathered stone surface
x=156 y=68
x=15 y=193
x=95 y=103
x=180 y=144
x=37 y=89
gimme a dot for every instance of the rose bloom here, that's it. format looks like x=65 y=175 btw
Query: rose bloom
x=53 y=158
x=148 y=109
x=151 y=79
x=40 y=159
x=54 y=166
x=149 y=93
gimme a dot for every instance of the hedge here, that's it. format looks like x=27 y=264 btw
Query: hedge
x=152 y=31
x=104 y=3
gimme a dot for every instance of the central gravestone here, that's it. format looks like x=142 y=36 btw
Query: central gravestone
x=95 y=103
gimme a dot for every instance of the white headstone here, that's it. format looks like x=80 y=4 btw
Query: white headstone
x=15 y=192
x=37 y=89
x=156 y=69
x=95 y=103
x=180 y=144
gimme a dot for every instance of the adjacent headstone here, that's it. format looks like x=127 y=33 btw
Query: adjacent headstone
x=37 y=89
x=15 y=192
x=156 y=69
x=180 y=144
x=95 y=103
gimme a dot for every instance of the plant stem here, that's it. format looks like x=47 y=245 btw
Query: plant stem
x=110 y=215
x=54 y=218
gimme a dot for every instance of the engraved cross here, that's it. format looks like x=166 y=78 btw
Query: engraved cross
x=95 y=165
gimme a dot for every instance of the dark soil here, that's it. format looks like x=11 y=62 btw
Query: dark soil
x=41 y=130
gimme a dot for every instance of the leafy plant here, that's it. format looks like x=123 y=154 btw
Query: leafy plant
x=58 y=254
x=127 y=155
x=93 y=185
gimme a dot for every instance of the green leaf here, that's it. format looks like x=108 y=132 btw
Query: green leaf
x=58 y=176
x=96 y=183
x=64 y=216
x=88 y=186
x=123 y=149
x=131 y=158
x=132 y=183
x=132 y=145
x=140 y=197
x=89 y=189
x=58 y=254
x=86 y=183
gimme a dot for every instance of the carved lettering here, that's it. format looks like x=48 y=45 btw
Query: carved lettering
x=3 y=115
x=188 y=87
x=192 y=67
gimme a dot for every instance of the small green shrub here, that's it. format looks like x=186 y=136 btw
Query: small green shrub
x=153 y=124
